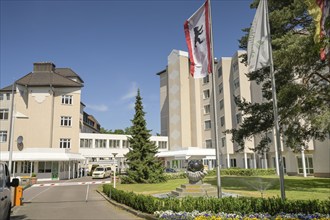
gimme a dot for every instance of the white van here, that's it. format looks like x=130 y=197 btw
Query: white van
x=101 y=172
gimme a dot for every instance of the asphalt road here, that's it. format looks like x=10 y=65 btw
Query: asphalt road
x=74 y=199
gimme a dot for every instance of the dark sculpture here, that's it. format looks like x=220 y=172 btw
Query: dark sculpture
x=195 y=171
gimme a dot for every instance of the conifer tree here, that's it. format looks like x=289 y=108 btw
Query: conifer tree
x=144 y=166
x=302 y=81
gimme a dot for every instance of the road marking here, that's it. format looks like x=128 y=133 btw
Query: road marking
x=69 y=183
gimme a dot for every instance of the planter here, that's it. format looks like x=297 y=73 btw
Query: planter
x=33 y=180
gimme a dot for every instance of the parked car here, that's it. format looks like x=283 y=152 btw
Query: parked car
x=170 y=170
x=101 y=172
x=5 y=191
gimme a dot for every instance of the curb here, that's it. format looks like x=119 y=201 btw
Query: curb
x=127 y=208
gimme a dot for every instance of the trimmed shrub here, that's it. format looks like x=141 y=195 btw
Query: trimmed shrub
x=243 y=205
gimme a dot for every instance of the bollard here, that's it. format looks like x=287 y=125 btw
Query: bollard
x=18 y=196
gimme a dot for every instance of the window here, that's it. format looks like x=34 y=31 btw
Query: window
x=4 y=114
x=125 y=144
x=67 y=99
x=208 y=143
x=238 y=118
x=235 y=66
x=3 y=136
x=236 y=83
x=114 y=143
x=219 y=72
x=207 y=124
x=308 y=164
x=44 y=167
x=222 y=121
x=86 y=143
x=27 y=167
x=206 y=79
x=207 y=109
x=233 y=162
x=221 y=104
x=162 y=144
x=100 y=143
x=206 y=94
x=1 y=96
x=220 y=88
x=223 y=142
x=65 y=143
x=8 y=96
x=65 y=121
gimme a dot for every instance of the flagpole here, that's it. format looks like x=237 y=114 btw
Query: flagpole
x=278 y=139
x=217 y=150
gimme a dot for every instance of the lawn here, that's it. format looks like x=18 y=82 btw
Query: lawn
x=266 y=186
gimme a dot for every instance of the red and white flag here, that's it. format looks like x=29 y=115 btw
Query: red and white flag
x=198 y=37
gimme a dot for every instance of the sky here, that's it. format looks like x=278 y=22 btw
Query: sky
x=115 y=46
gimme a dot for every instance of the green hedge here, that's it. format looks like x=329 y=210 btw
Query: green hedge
x=244 y=172
x=244 y=205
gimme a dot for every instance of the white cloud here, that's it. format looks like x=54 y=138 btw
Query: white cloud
x=98 y=108
x=131 y=92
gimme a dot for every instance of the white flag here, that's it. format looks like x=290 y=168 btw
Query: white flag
x=258 y=49
x=197 y=31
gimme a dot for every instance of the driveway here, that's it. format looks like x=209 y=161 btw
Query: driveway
x=73 y=199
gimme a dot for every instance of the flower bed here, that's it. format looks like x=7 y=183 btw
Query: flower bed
x=196 y=215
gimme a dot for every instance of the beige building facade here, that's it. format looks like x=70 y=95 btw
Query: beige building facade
x=187 y=118
x=43 y=111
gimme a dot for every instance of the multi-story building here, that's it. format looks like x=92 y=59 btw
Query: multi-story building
x=42 y=109
x=187 y=118
x=52 y=135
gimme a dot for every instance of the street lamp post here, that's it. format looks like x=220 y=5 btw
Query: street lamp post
x=114 y=173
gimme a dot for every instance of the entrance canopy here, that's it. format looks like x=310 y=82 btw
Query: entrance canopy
x=189 y=153
x=42 y=154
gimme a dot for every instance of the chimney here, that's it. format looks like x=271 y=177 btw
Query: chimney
x=43 y=67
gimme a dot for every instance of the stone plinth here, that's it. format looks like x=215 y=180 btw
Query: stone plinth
x=195 y=190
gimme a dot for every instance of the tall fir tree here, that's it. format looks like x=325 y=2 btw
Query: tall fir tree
x=144 y=166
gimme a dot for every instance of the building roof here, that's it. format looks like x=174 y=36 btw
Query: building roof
x=47 y=79
x=7 y=88
x=67 y=72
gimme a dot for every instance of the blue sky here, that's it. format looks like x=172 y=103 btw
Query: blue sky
x=115 y=46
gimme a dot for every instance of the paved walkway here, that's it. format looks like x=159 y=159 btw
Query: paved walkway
x=68 y=199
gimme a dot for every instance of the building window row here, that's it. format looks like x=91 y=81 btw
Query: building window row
x=102 y=143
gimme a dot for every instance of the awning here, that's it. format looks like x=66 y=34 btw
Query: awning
x=188 y=153
x=42 y=154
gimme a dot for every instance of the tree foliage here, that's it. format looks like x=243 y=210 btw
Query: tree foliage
x=302 y=81
x=144 y=166
x=126 y=131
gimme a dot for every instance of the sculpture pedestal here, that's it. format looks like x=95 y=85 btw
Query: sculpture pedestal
x=195 y=190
